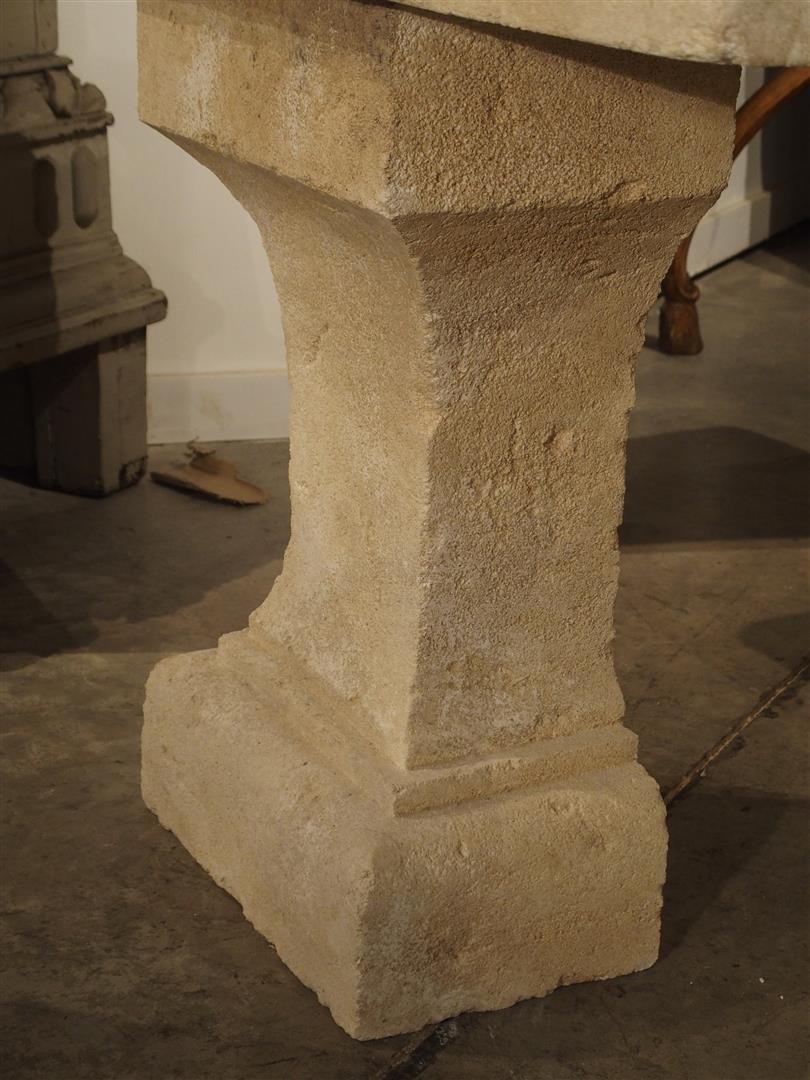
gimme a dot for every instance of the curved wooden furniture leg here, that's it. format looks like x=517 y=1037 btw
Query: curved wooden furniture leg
x=678 y=323
x=678 y=326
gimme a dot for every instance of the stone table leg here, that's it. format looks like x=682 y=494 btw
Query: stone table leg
x=411 y=769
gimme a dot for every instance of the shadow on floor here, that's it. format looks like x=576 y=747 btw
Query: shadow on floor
x=787 y=254
x=711 y=840
x=769 y=636
x=722 y=483
x=31 y=627
x=141 y=570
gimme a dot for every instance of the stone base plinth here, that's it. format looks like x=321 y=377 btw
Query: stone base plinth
x=396 y=905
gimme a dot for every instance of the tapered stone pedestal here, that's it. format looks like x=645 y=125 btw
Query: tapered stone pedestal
x=411 y=769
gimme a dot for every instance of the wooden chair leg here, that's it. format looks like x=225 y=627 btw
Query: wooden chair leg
x=678 y=323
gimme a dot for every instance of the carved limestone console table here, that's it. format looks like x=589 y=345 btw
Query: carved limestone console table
x=411 y=769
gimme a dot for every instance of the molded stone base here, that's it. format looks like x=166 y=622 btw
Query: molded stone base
x=397 y=919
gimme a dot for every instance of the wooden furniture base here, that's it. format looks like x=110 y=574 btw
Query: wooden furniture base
x=679 y=326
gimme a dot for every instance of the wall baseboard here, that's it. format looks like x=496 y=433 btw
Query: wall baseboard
x=218 y=407
x=732 y=228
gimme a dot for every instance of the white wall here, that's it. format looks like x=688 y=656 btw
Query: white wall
x=216 y=364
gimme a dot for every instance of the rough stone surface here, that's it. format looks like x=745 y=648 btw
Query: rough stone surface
x=122 y=959
x=466 y=231
x=66 y=284
x=28 y=28
x=725 y=31
x=397 y=921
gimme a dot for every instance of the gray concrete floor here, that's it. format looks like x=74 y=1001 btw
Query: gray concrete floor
x=121 y=960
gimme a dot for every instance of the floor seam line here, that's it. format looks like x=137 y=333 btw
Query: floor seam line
x=414 y=1059
x=766 y=700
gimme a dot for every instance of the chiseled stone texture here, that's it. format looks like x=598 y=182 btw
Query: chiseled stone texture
x=396 y=921
x=411 y=770
x=760 y=32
